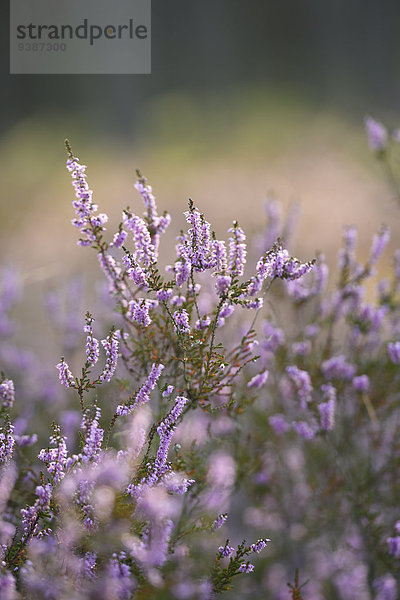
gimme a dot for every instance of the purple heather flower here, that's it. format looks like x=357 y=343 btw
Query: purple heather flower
x=65 y=374
x=164 y=294
x=219 y=257
x=277 y=263
x=168 y=391
x=92 y=344
x=110 y=345
x=182 y=269
x=219 y=521
x=119 y=238
x=302 y=381
x=145 y=252
x=138 y=310
x=246 y=568
x=134 y=271
x=7 y=441
x=199 y=243
x=202 y=323
x=7 y=393
x=361 y=383
x=377 y=134
x=31 y=513
x=143 y=395
x=394 y=352
x=93 y=435
x=258 y=380
x=85 y=221
x=157 y=224
x=259 y=545
x=226 y=550
x=181 y=319
x=237 y=250
x=55 y=458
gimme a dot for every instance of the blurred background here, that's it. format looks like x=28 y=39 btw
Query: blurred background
x=245 y=100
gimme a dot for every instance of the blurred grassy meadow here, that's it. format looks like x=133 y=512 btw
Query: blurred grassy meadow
x=226 y=151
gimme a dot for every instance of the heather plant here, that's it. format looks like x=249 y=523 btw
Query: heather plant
x=122 y=514
x=203 y=421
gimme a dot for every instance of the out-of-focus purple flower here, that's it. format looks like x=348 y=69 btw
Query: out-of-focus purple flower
x=65 y=375
x=145 y=252
x=394 y=352
x=361 y=383
x=379 y=243
x=327 y=409
x=305 y=430
x=111 y=270
x=223 y=284
x=394 y=546
x=273 y=337
x=302 y=381
x=8 y=586
x=258 y=380
x=7 y=393
x=337 y=367
x=307 y=287
x=279 y=423
x=311 y=331
x=110 y=345
x=181 y=323
x=202 y=323
x=302 y=348
x=386 y=587
x=377 y=134
x=219 y=521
